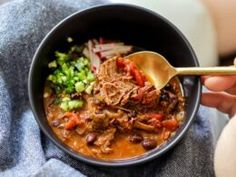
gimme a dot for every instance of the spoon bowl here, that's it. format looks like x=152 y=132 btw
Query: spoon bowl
x=160 y=71
x=155 y=66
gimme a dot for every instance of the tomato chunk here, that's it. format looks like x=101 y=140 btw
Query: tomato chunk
x=72 y=122
x=157 y=116
x=131 y=68
x=171 y=124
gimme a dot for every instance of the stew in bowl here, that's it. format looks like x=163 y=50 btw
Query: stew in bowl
x=101 y=105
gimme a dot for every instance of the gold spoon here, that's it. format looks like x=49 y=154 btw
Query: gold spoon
x=157 y=68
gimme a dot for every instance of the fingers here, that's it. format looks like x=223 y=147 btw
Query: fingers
x=222 y=101
x=232 y=90
x=220 y=83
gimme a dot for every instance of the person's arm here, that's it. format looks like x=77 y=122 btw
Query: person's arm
x=223 y=98
x=223 y=13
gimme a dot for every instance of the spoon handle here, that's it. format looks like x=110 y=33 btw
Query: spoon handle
x=227 y=70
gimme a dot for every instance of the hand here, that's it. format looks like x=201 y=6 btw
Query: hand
x=223 y=96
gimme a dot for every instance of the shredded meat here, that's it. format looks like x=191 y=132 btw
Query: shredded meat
x=118 y=88
x=105 y=139
x=99 y=122
x=143 y=126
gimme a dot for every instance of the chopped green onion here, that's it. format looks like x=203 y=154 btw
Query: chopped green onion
x=79 y=87
x=64 y=106
x=71 y=73
x=52 y=78
x=76 y=78
x=64 y=78
x=81 y=75
x=61 y=56
x=85 y=81
x=52 y=64
x=79 y=64
x=86 y=62
x=90 y=76
x=69 y=89
x=70 y=105
x=66 y=98
x=69 y=39
x=73 y=104
x=89 y=89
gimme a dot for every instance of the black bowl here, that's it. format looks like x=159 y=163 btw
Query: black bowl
x=133 y=25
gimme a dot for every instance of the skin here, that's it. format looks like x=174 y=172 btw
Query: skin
x=223 y=98
x=223 y=95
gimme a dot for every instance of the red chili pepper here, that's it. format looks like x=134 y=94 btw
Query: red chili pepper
x=138 y=77
x=171 y=124
x=72 y=122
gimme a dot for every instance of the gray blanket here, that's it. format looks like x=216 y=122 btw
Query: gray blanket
x=24 y=150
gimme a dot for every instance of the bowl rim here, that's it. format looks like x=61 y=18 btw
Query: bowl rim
x=126 y=162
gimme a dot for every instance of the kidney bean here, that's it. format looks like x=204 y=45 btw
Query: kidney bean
x=149 y=144
x=91 y=138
